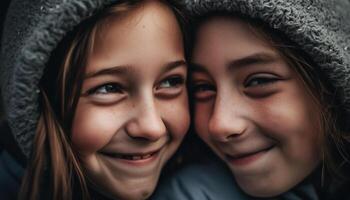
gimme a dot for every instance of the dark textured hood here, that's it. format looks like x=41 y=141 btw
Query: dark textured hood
x=32 y=30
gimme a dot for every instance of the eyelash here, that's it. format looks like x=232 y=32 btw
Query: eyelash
x=260 y=81
x=117 y=88
x=203 y=87
x=203 y=91
x=174 y=82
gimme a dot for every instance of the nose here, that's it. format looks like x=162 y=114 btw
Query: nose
x=147 y=123
x=228 y=119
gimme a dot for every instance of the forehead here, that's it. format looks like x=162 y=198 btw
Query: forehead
x=150 y=21
x=223 y=38
x=146 y=35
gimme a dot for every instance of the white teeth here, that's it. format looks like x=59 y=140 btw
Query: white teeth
x=146 y=156
x=136 y=157
x=130 y=157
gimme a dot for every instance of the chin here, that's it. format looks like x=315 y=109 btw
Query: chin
x=142 y=195
x=262 y=191
x=136 y=192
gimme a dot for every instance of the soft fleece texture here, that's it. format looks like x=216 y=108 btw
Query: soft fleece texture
x=32 y=30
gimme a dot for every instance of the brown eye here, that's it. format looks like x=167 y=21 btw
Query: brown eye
x=261 y=85
x=172 y=82
x=203 y=91
x=170 y=87
x=260 y=80
x=106 y=89
x=203 y=87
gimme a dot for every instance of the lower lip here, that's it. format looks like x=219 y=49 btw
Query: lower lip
x=141 y=162
x=248 y=159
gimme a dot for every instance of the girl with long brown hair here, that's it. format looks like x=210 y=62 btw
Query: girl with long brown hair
x=95 y=95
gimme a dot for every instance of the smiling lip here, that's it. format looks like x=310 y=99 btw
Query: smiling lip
x=135 y=158
x=247 y=158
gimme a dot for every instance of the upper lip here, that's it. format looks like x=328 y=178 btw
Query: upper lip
x=237 y=154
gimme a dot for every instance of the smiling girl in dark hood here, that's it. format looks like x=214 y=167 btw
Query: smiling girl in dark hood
x=271 y=92
x=94 y=94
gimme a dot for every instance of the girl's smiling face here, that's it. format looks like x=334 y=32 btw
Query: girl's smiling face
x=252 y=108
x=133 y=111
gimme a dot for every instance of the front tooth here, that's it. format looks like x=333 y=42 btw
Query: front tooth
x=136 y=157
x=146 y=156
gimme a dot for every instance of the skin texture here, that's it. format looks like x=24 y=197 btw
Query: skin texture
x=133 y=102
x=252 y=108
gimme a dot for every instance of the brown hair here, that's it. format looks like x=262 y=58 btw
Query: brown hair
x=54 y=170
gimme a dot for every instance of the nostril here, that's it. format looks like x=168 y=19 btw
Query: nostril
x=146 y=130
x=225 y=129
x=141 y=139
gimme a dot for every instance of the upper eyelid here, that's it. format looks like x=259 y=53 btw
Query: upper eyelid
x=262 y=75
x=178 y=85
x=194 y=86
x=200 y=77
x=270 y=81
x=179 y=70
x=171 y=76
x=181 y=75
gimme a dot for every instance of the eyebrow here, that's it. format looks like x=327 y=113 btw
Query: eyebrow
x=172 y=65
x=254 y=59
x=124 y=69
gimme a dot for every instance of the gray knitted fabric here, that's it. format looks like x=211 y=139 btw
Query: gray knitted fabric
x=32 y=30
x=321 y=28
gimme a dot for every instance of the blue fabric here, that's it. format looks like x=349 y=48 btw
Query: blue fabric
x=213 y=181
x=10 y=176
x=200 y=182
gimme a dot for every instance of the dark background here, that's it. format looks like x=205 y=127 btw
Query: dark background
x=3 y=6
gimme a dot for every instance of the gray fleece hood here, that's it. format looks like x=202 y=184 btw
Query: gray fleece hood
x=32 y=30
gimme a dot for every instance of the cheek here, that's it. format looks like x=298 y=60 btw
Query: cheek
x=305 y=134
x=294 y=122
x=176 y=116
x=202 y=112
x=93 y=127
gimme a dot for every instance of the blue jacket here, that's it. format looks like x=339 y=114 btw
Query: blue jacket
x=11 y=173
x=213 y=181
x=200 y=182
